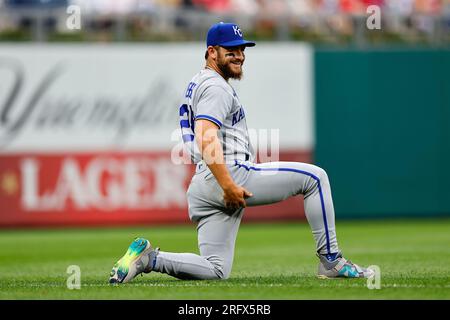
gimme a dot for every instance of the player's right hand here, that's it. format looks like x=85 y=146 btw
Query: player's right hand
x=234 y=197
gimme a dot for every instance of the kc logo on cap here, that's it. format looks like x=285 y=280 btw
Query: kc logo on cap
x=237 y=31
x=226 y=35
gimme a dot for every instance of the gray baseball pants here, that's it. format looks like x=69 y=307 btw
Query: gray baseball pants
x=217 y=227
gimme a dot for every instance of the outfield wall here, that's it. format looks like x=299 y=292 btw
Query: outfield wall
x=383 y=131
x=87 y=132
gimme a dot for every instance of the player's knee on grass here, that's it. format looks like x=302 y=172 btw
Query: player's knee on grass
x=221 y=268
x=226 y=274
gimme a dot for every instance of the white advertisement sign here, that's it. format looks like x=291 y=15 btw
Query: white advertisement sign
x=126 y=96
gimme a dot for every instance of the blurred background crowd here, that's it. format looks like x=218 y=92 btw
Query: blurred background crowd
x=316 y=21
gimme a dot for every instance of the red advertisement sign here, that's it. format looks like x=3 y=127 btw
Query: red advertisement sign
x=52 y=189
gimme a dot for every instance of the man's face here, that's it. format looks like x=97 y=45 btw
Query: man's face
x=230 y=61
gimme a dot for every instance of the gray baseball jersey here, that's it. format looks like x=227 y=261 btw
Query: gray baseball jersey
x=208 y=96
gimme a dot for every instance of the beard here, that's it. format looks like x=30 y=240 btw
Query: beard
x=226 y=70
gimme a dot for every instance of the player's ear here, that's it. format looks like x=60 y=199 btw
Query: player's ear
x=212 y=52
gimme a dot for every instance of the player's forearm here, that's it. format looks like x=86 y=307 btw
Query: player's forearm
x=222 y=176
x=212 y=154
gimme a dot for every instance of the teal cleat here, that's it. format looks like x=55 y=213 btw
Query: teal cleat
x=341 y=268
x=135 y=261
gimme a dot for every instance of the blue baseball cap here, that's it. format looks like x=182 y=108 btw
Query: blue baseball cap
x=226 y=35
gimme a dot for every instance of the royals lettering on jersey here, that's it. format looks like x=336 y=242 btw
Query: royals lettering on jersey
x=238 y=116
x=208 y=96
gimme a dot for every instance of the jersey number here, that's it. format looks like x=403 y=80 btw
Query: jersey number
x=187 y=122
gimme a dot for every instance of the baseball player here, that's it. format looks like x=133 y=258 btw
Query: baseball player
x=214 y=131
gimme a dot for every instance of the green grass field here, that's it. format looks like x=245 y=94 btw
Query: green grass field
x=272 y=261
